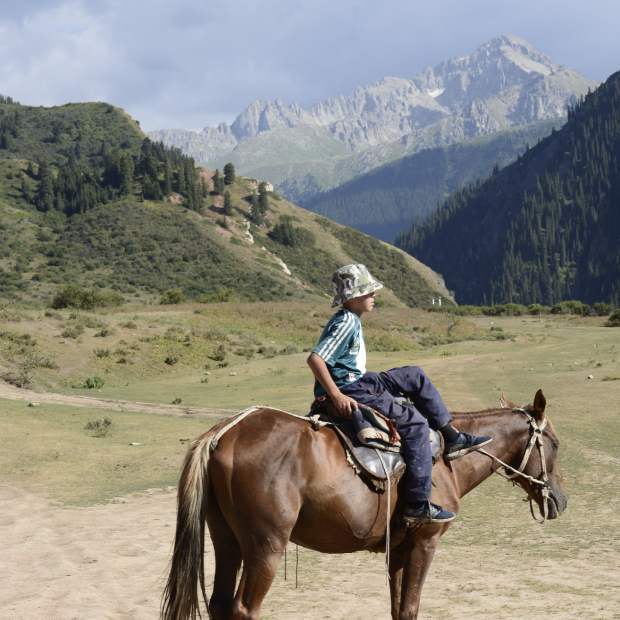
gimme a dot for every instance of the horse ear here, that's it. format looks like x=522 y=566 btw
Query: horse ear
x=507 y=403
x=540 y=402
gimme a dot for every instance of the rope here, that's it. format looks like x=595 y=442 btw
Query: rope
x=535 y=438
x=387 y=523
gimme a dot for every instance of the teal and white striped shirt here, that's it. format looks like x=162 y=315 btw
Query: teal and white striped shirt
x=341 y=347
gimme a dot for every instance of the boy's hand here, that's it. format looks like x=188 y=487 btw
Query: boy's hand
x=344 y=404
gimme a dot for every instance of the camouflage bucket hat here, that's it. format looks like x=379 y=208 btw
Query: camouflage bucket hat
x=352 y=281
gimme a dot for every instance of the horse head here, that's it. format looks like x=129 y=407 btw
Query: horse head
x=548 y=451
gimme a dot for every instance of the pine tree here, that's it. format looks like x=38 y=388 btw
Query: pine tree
x=45 y=197
x=168 y=178
x=229 y=173
x=26 y=192
x=228 y=206
x=263 y=202
x=218 y=182
x=126 y=171
x=181 y=186
x=30 y=169
x=204 y=187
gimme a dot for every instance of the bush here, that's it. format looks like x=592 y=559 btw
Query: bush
x=106 y=330
x=171 y=360
x=602 y=309
x=268 y=352
x=173 y=296
x=73 y=331
x=505 y=310
x=245 y=352
x=177 y=401
x=289 y=349
x=94 y=382
x=129 y=324
x=614 y=319
x=101 y=353
x=219 y=355
x=85 y=299
x=571 y=307
x=535 y=309
x=101 y=427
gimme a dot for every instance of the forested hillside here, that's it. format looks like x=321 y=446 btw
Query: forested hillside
x=544 y=229
x=138 y=218
x=384 y=201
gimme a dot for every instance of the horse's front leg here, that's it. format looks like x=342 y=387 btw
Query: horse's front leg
x=420 y=545
x=397 y=558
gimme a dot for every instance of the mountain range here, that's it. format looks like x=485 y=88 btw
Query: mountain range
x=544 y=229
x=504 y=83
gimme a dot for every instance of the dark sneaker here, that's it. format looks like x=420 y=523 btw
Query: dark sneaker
x=429 y=513
x=463 y=445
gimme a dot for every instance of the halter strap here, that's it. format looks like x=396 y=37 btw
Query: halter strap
x=536 y=437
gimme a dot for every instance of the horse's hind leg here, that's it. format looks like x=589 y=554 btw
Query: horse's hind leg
x=262 y=551
x=227 y=562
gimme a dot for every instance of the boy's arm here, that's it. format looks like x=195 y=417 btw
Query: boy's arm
x=344 y=404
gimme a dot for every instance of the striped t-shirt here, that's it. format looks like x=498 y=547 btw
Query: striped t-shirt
x=341 y=347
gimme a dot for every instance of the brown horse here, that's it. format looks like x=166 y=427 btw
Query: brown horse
x=274 y=478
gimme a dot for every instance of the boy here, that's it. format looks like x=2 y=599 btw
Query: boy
x=339 y=365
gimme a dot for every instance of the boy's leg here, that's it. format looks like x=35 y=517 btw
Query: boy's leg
x=413 y=383
x=414 y=433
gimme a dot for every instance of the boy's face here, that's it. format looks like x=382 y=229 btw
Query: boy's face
x=361 y=304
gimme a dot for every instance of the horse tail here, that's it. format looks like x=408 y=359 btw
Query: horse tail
x=180 y=600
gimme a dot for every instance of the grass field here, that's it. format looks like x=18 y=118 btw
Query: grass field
x=495 y=561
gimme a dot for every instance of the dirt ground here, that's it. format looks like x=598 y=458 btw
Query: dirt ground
x=15 y=393
x=109 y=561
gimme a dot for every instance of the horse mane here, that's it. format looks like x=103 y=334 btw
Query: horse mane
x=485 y=413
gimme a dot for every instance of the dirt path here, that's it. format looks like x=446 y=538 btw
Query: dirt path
x=14 y=393
x=109 y=562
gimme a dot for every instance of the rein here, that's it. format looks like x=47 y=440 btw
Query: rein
x=536 y=437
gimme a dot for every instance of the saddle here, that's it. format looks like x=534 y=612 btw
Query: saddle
x=376 y=433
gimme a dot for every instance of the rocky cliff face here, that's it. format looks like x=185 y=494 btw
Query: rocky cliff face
x=504 y=83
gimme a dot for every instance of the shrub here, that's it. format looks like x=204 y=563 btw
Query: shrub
x=614 y=319
x=177 y=401
x=286 y=234
x=101 y=353
x=289 y=349
x=571 y=307
x=129 y=324
x=106 y=330
x=101 y=427
x=85 y=299
x=505 y=310
x=608 y=378
x=50 y=314
x=73 y=331
x=173 y=296
x=204 y=380
x=534 y=309
x=268 y=352
x=245 y=352
x=37 y=361
x=602 y=309
x=94 y=382
x=219 y=355
x=171 y=360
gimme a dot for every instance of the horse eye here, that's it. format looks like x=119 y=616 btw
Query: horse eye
x=555 y=445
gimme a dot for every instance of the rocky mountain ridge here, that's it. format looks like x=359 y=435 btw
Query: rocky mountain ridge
x=502 y=84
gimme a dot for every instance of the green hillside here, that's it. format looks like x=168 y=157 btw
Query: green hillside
x=384 y=201
x=141 y=220
x=544 y=229
x=74 y=132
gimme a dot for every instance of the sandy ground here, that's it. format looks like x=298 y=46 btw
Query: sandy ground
x=109 y=561
x=14 y=393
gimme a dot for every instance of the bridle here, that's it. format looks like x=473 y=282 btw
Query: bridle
x=536 y=437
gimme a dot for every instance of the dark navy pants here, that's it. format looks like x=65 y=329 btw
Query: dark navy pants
x=378 y=390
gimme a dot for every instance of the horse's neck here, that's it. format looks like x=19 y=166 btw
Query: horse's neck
x=509 y=434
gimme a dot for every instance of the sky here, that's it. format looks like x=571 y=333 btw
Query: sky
x=191 y=63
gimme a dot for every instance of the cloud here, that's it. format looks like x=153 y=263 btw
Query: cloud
x=194 y=63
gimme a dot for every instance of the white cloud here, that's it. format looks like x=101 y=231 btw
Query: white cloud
x=192 y=63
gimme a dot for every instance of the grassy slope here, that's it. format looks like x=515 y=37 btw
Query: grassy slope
x=73 y=129
x=142 y=248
